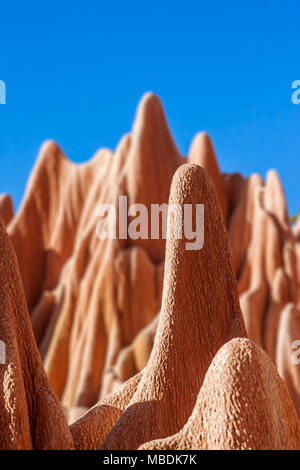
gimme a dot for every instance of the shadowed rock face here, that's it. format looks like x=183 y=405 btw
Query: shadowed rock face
x=242 y=404
x=90 y=431
x=125 y=324
x=194 y=323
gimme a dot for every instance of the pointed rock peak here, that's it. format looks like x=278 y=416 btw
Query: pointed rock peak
x=152 y=160
x=200 y=312
x=48 y=169
x=202 y=152
x=187 y=180
x=48 y=162
x=49 y=146
x=124 y=143
x=151 y=134
x=153 y=156
x=275 y=200
x=150 y=112
x=6 y=208
x=208 y=258
x=209 y=305
x=50 y=150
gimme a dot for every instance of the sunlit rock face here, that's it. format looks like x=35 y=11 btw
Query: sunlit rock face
x=133 y=333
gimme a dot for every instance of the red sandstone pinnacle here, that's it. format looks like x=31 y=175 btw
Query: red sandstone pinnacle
x=6 y=208
x=37 y=219
x=194 y=323
x=93 y=303
x=151 y=163
x=202 y=153
x=31 y=416
x=243 y=404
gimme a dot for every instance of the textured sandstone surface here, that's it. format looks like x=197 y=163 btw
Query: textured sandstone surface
x=128 y=333
x=31 y=416
x=242 y=404
x=193 y=323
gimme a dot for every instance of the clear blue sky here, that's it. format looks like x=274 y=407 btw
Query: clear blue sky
x=75 y=72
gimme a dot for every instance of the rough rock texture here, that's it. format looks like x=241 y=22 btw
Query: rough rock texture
x=90 y=299
x=90 y=431
x=243 y=404
x=194 y=323
x=95 y=305
x=202 y=153
x=30 y=414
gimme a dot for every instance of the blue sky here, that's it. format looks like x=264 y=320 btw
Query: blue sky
x=75 y=72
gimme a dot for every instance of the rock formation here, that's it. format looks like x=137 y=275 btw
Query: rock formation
x=243 y=404
x=193 y=324
x=122 y=324
x=31 y=416
x=6 y=208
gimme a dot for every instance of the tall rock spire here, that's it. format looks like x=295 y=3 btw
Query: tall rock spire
x=243 y=405
x=203 y=153
x=200 y=312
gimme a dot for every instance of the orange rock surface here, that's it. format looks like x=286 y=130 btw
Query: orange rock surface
x=128 y=330
x=6 y=208
x=242 y=404
x=193 y=324
x=31 y=416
